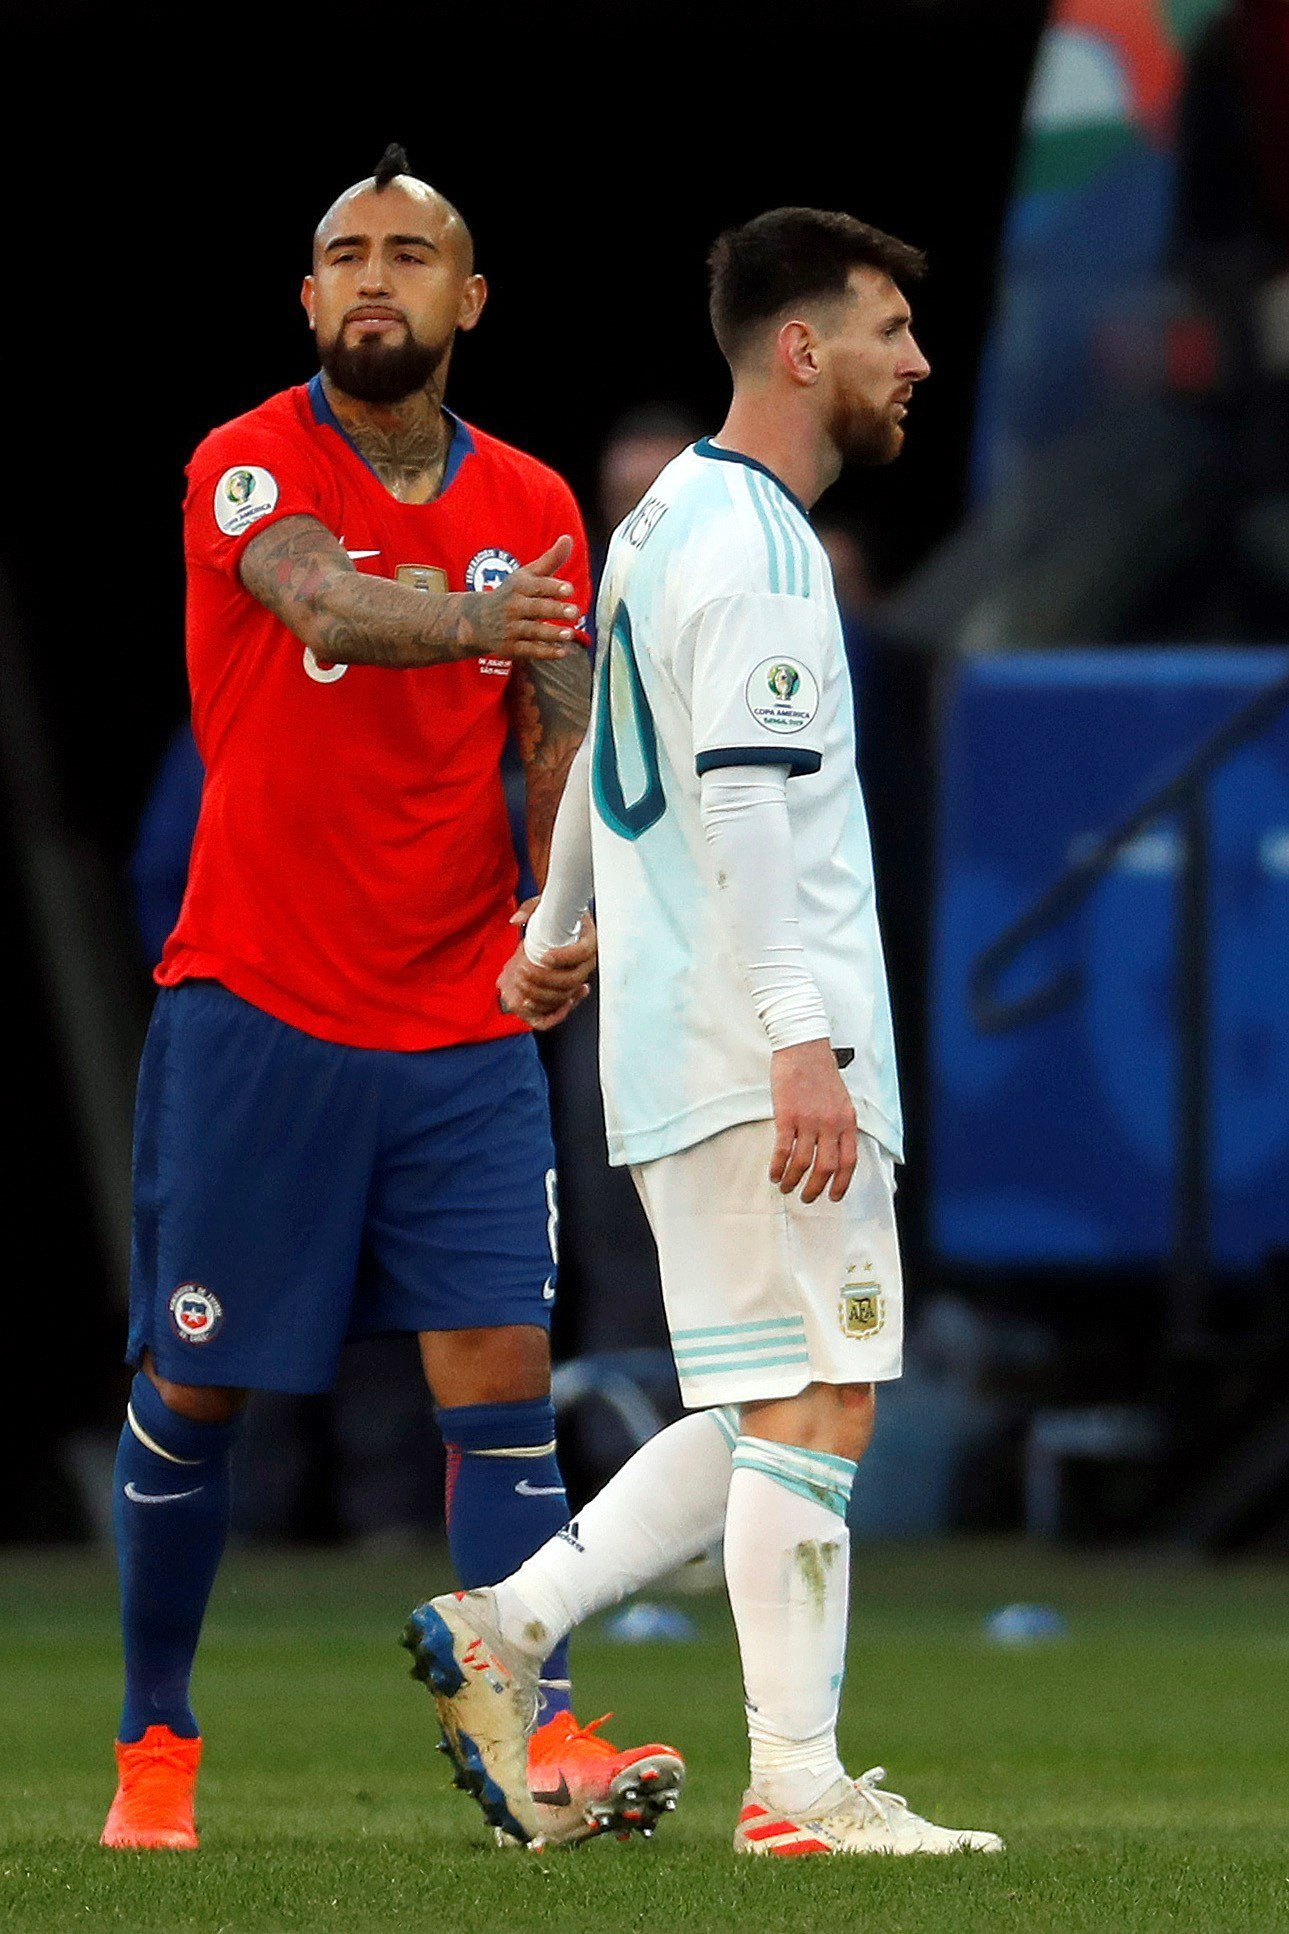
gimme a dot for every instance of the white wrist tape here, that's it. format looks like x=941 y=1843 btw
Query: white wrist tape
x=557 y=920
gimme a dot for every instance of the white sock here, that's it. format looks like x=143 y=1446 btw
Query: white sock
x=787 y=1566
x=665 y=1505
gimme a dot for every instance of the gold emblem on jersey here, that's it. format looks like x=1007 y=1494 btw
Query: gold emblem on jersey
x=862 y=1309
x=422 y=577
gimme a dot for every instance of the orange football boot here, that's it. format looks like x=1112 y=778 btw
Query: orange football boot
x=156 y=1781
x=583 y=1786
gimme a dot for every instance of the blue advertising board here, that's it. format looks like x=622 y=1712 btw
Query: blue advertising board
x=1053 y=1143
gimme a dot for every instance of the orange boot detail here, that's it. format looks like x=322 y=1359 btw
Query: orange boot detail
x=156 y=1782
x=583 y=1786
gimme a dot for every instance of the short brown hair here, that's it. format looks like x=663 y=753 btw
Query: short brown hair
x=788 y=255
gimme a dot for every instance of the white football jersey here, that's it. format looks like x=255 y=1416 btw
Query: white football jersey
x=720 y=644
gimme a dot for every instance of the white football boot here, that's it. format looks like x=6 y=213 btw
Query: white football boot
x=487 y=1697
x=854 y=1816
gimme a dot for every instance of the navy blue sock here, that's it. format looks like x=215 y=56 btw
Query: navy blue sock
x=505 y=1498
x=170 y=1507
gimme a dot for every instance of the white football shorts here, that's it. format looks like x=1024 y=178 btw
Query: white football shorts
x=765 y=1293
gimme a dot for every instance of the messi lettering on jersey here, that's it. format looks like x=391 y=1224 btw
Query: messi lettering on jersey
x=643 y=521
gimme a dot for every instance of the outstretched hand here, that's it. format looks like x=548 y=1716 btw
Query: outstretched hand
x=528 y=615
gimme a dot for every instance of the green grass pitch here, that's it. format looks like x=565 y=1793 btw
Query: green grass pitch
x=1139 y=1770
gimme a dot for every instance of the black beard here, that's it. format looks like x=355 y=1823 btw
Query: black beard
x=374 y=372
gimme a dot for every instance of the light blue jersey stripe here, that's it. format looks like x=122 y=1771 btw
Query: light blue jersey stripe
x=697 y=1363
x=740 y=1329
x=691 y=1352
x=797 y=576
x=773 y=540
x=694 y=1373
x=768 y=511
x=805 y=537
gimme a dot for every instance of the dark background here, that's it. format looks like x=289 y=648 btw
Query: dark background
x=185 y=163
x=161 y=202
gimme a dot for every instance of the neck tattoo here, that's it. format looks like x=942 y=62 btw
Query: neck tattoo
x=405 y=443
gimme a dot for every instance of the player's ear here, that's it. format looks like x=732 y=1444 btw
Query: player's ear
x=306 y=297
x=473 y=296
x=796 y=349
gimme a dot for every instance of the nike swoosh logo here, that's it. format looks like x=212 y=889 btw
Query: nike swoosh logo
x=526 y=1490
x=349 y=553
x=158 y=1497
x=558 y=1796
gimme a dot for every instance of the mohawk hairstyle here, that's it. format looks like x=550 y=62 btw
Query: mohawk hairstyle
x=393 y=162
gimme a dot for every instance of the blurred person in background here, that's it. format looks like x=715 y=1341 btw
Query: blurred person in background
x=339 y=1129
x=852 y=583
x=163 y=842
x=851 y=572
x=1228 y=344
x=639 y=445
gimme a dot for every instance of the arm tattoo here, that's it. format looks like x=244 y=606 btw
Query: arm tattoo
x=298 y=571
x=551 y=702
x=288 y=569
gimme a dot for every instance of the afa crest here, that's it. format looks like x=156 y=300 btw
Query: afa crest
x=862 y=1309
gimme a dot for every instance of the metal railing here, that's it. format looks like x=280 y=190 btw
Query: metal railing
x=1182 y=795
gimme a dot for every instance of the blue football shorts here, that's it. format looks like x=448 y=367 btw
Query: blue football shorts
x=290 y=1193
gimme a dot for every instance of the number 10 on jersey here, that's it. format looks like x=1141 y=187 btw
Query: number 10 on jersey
x=626 y=743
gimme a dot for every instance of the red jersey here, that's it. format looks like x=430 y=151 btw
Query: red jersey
x=353 y=871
